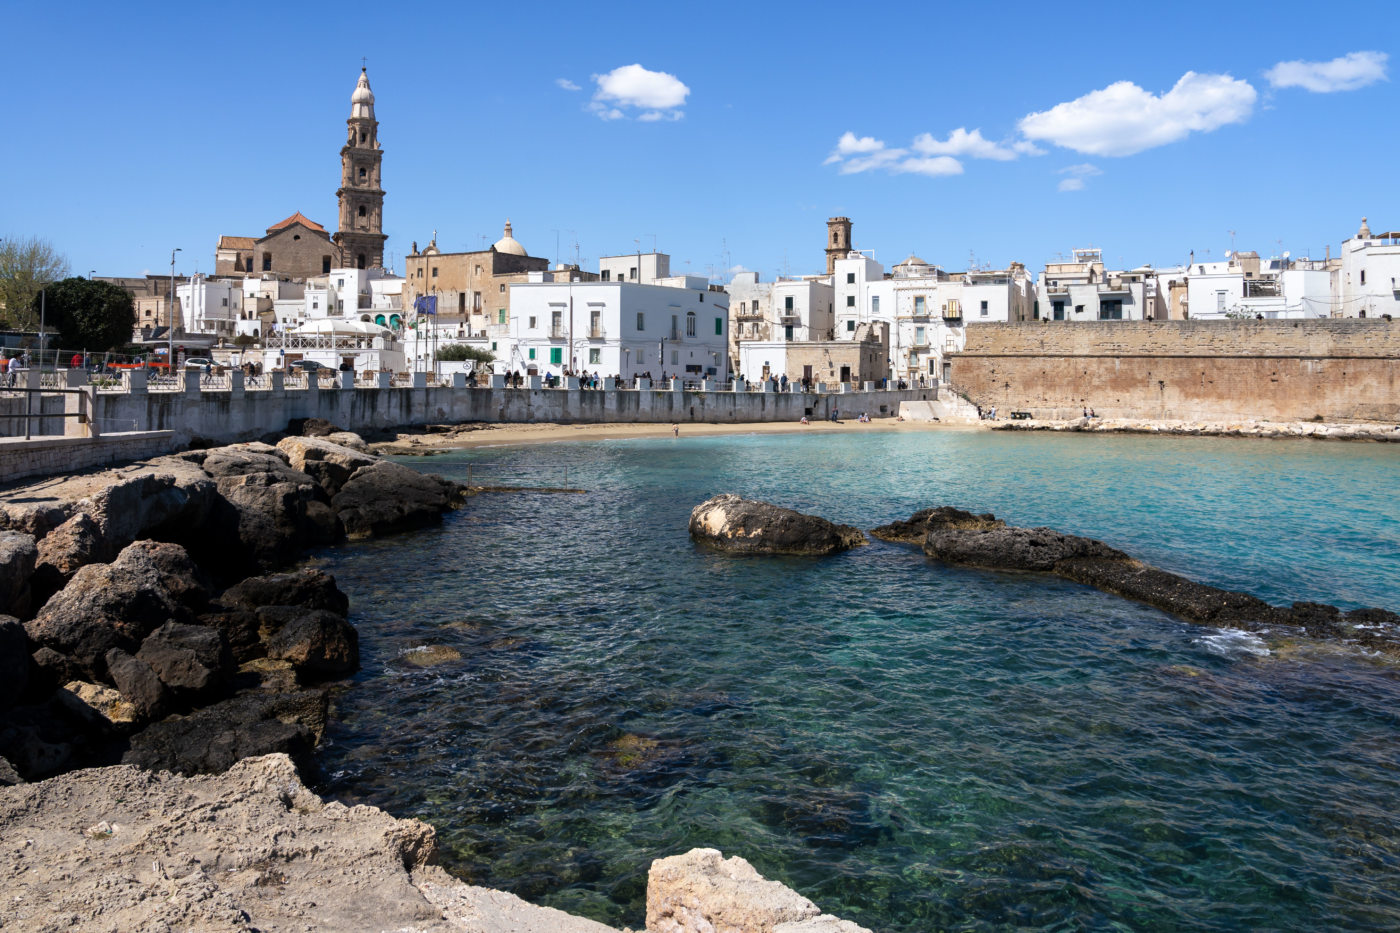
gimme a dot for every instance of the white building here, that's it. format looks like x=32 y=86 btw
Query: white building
x=617 y=329
x=1083 y=290
x=362 y=346
x=641 y=268
x=1244 y=286
x=210 y=307
x=1368 y=280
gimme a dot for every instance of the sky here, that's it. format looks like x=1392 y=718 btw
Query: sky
x=724 y=135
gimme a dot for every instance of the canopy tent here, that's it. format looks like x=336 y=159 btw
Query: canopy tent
x=342 y=327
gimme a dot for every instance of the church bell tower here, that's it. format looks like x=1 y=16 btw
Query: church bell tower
x=360 y=237
x=838 y=241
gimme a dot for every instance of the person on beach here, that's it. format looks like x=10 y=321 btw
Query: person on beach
x=805 y=420
x=676 y=430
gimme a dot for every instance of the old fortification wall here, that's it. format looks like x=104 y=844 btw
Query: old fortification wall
x=1190 y=370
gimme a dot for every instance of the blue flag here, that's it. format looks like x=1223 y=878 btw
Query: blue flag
x=425 y=304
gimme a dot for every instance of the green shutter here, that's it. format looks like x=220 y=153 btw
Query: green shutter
x=556 y=355
x=532 y=353
x=500 y=315
x=719 y=326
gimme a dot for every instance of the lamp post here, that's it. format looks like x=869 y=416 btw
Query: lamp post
x=170 y=349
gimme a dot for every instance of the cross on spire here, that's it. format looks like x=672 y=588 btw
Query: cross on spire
x=363 y=63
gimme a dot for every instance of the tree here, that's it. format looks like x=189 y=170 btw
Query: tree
x=456 y=352
x=90 y=315
x=26 y=266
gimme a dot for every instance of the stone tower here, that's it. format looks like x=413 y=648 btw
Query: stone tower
x=838 y=241
x=361 y=238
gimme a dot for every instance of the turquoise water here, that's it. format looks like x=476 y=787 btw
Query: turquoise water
x=913 y=746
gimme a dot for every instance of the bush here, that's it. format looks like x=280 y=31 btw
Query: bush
x=244 y=340
x=457 y=352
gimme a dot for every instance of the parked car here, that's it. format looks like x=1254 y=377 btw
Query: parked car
x=198 y=362
x=309 y=366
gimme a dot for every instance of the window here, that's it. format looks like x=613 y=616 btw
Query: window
x=1363 y=276
x=503 y=288
x=362 y=174
x=556 y=355
x=850 y=278
x=787 y=303
x=920 y=305
x=493 y=345
x=675 y=328
x=532 y=323
x=874 y=304
x=435 y=268
x=595 y=355
x=500 y=315
x=690 y=323
x=1111 y=310
x=641 y=321
x=362 y=210
x=675 y=357
x=478 y=270
x=702 y=296
x=313 y=304
x=919 y=340
x=267 y=262
x=1078 y=309
x=850 y=326
x=984 y=309
x=607 y=275
x=634 y=273
x=787 y=332
x=1220 y=301
x=532 y=353
x=325 y=264
x=719 y=327
x=851 y=301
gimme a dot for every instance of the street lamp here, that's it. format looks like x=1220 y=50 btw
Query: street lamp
x=170 y=337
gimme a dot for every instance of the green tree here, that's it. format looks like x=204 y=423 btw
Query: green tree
x=90 y=315
x=26 y=266
x=456 y=352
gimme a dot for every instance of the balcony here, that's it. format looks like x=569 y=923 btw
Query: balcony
x=556 y=332
x=596 y=332
x=952 y=314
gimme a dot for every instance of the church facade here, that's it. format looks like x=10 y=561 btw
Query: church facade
x=300 y=248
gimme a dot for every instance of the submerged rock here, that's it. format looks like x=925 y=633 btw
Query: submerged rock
x=431 y=655
x=731 y=523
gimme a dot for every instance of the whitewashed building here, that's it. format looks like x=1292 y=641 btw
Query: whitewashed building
x=1368 y=279
x=616 y=328
x=1082 y=289
x=640 y=268
x=1244 y=286
x=209 y=307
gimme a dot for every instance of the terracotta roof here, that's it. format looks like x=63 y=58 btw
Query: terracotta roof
x=237 y=242
x=297 y=218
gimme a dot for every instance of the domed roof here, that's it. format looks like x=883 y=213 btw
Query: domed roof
x=913 y=261
x=362 y=100
x=509 y=244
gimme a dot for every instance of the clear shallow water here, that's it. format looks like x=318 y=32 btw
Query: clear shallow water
x=912 y=746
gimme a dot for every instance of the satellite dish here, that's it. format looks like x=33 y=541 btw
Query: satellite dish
x=1286 y=254
x=1227 y=254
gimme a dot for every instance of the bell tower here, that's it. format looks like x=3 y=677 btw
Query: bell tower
x=838 y=241
x=361 y=237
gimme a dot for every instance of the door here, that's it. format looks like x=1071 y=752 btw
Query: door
x=845 y=374
x=807 y=373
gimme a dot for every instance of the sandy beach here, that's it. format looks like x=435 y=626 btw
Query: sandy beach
x=495 y=435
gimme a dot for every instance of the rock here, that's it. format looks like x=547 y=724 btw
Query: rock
x=211 y=739
x=138 y=683
x=914 y=529
x=192 y=660
x=329 y=464
x=312 y=427
x=273 y=511
x=308 y=588
x=386 y=497
x=431 y=655
x=730 y=523
x=1000 y=547
x=117 y=605
x=703 y=892
x=349 y=439
x=481 y=910
x=14 y=661
x=8 y=775
x=73 y=544
x=18 y=554
x=99 y=704
x=240 y=628
x=319 y=644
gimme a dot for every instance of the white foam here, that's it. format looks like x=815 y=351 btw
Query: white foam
x=1233 y=643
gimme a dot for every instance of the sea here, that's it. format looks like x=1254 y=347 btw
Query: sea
x=911 y=745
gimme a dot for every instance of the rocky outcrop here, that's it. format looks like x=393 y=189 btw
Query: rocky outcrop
x=984 y=541
x=703 y=892
x=213 y=738
x=745 y=526
x=116 y=605
x=383 y=498
x=329 y=463
x=17 y=556
x=1318 y=430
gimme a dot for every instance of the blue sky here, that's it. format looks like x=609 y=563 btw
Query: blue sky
x=1147 y=131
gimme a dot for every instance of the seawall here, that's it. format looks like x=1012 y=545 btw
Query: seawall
x=1342 y=370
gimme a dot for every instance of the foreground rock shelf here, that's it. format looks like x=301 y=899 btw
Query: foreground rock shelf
x=984 y=541
x=252 y=849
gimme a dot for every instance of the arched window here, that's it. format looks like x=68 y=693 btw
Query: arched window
x=360 y=261
x=379 y=319
x=362 y=173
x=362 y=210
x=690 y=323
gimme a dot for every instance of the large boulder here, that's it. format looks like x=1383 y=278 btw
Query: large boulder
x=14 y=661
x=317 y=643
x=138 y=683
x=116 y=605
x=308 y=587
x=193 y=661
x=731 y=523
x=18 y=554
x=328 y=463
x=384 y=497
x=211 y=739
x=981 y=541
x=271 y=511
x=704 y=892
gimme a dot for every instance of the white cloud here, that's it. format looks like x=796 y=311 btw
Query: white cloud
x=1351 y=71
x=933 y=166
x=850 y=144
x=962 y=143
x=1123 y=119
x=567 y=85
x=1077 y=174
x=1026 y=147
x=660 y=96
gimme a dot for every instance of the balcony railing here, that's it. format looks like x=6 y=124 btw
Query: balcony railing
x=556 y=332
x=596 y=332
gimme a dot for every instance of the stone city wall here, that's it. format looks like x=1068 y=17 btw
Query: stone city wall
x=1190 y=370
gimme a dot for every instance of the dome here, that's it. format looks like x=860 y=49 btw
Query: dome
x=509 y=244
x=913 y=261
x=362 y=100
